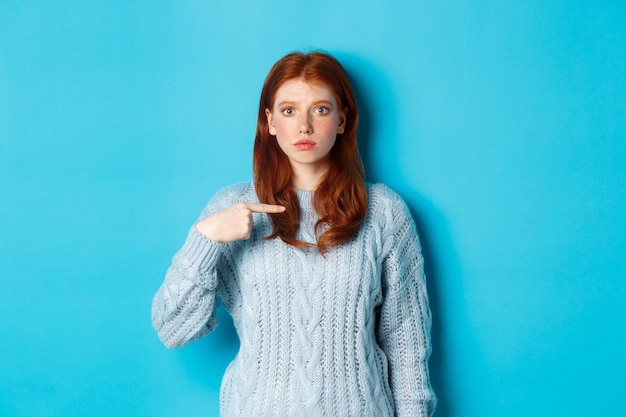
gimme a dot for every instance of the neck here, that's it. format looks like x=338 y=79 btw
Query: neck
x=308 y=178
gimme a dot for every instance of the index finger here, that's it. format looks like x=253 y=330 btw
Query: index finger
x=265 y=208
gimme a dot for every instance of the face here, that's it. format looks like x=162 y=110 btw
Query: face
x=305 y=119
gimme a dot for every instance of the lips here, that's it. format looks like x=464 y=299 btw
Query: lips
x=304 y=144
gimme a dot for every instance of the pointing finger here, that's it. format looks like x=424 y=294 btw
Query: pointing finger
x=264 y=208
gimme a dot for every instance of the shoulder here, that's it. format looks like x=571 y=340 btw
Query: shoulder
x=236 y=192
x=383 y=201
x=400 y=241
x=379 y=191
x=389 y=213
x=230 y=195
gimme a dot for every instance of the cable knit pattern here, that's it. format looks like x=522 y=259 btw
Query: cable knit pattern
x=347 y=334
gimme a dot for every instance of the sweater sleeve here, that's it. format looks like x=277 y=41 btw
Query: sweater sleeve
x=183 y=307
x=404 y=318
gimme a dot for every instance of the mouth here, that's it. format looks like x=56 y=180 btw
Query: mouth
x=304 y=144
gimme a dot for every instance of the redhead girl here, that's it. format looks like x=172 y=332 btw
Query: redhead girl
x=321 y=271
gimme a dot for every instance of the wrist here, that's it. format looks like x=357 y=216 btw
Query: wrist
x=205 y=230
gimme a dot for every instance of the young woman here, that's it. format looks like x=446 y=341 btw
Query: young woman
x=321 y=272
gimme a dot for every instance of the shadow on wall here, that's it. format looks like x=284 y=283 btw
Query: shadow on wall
x=433 y=264
x=373 y=92
x=206 y=360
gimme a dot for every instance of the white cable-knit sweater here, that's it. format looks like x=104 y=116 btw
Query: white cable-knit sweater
x=347 y=334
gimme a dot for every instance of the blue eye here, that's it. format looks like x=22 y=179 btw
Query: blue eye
x=322 y=110
x=288 y=111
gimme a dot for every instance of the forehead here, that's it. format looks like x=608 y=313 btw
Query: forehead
x=298 y=89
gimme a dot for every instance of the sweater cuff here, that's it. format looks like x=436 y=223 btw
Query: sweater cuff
x=201 y=255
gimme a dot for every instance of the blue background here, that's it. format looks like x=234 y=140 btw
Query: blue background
x=502 y=124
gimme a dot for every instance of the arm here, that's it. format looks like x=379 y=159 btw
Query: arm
x=405 y=319
x=183 y=307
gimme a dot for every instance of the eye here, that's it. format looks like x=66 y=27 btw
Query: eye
x=288 y=111
x=322 y=110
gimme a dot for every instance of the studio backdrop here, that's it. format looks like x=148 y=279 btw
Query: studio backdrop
x=502 y=124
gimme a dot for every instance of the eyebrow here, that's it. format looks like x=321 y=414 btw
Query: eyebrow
x=283 y=103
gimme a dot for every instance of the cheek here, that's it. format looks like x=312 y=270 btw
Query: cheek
x=281 y=131
x=328 y=128
x=282 y=135
x=282 y=128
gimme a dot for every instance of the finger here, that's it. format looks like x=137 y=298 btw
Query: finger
x=265 y=208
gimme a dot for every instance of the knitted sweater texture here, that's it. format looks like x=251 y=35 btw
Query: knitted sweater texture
x=345 y=334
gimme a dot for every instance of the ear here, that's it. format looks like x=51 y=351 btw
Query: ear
x=342 y=120
x=270 y=122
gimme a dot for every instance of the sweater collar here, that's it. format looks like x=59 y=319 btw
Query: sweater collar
x=305 y=199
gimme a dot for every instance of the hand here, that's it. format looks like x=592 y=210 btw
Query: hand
x=235 y=222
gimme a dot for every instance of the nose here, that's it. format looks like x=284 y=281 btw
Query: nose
x=306 y=126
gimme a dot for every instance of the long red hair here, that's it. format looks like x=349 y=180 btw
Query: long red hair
x=340 y=200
